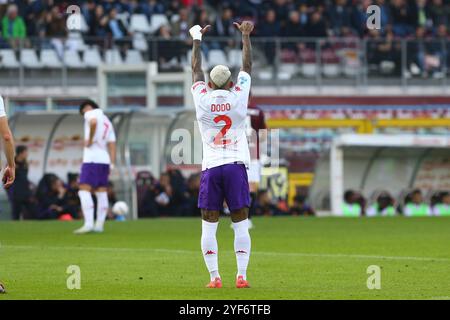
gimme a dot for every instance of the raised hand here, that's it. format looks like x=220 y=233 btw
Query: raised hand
x=205 y=29
x=246 y=27
x=196 y=31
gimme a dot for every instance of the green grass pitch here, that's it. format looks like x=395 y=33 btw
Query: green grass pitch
x=292 y=258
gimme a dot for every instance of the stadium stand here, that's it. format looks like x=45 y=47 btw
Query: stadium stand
x=319 y=35
x=296 y=42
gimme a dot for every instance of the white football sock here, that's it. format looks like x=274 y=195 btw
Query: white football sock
x=102 y=208
x=209 y=247
x=242 y=246
x=87 y=206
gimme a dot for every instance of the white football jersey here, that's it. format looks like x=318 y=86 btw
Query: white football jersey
x=221 y=116
x=104 y=133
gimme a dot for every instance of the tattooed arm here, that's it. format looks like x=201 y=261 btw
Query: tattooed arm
x=246 y=27
x=196 y=33
x=197 y=73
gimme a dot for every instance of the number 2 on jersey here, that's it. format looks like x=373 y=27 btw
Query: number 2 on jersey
x=219 y=139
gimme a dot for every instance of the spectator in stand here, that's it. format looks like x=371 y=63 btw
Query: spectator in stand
x=362 y=202
x=112 y=199
x=359 y=17
x=173 y=8
x=20 y=193
x=166 y=48
x=223 y=27
x=416 y=207
x=439 y=13
x=56 y=23
x=422 y=14
x=384 y=14
x=191 y=3
x=98 y=23
x=282 y=9
x=52 y=200
x=201 y=18
x=293 y=28
x=152 y=7
x=385 y=52
x=384 y=206
x=270 y=27
x=316 y=27
x=13 y=26
x=149 y=208
x=339 y=15
x=56 y=29
x=442 y=208
x=71 y=196
x=193 y=187
x=304 y=14
x=351 y=206
x=442 y=45
x=300 y=207
x=403 y=18
x=88 y=10
x=33 y=13
x=246 y=8
x=128 y=7
x=425 y=55
x=264 y=205
x=178 y=186
x=117 y=29
x=181 y=26
x=164 y=196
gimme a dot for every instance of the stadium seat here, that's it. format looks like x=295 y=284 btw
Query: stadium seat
x=29 y=59
x=50 y=59
x=235 y=58
x=309 y=65
x=287 y=71
x=112 y=56
x=216 y=57
x=309 y=70
x=156 y=21
x=330 y=64
x=133 y=57
x=288 y=56
x=331 y=70
x=9 y=59
x=139 y=23
x=75 y=42
x=92 y=58
x=72 y=60
x=139 y=42
x=124 y=17
x=265 y=74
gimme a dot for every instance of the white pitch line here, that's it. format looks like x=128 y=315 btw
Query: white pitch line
x=291 y=254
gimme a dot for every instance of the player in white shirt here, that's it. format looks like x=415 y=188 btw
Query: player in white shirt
x=9 y=173
x=98 y=158
x=221 y=114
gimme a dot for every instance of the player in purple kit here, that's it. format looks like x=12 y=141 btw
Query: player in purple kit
x=98 y=158
x=221 y=114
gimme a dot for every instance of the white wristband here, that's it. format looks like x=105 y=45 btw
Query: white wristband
x=196 y=33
